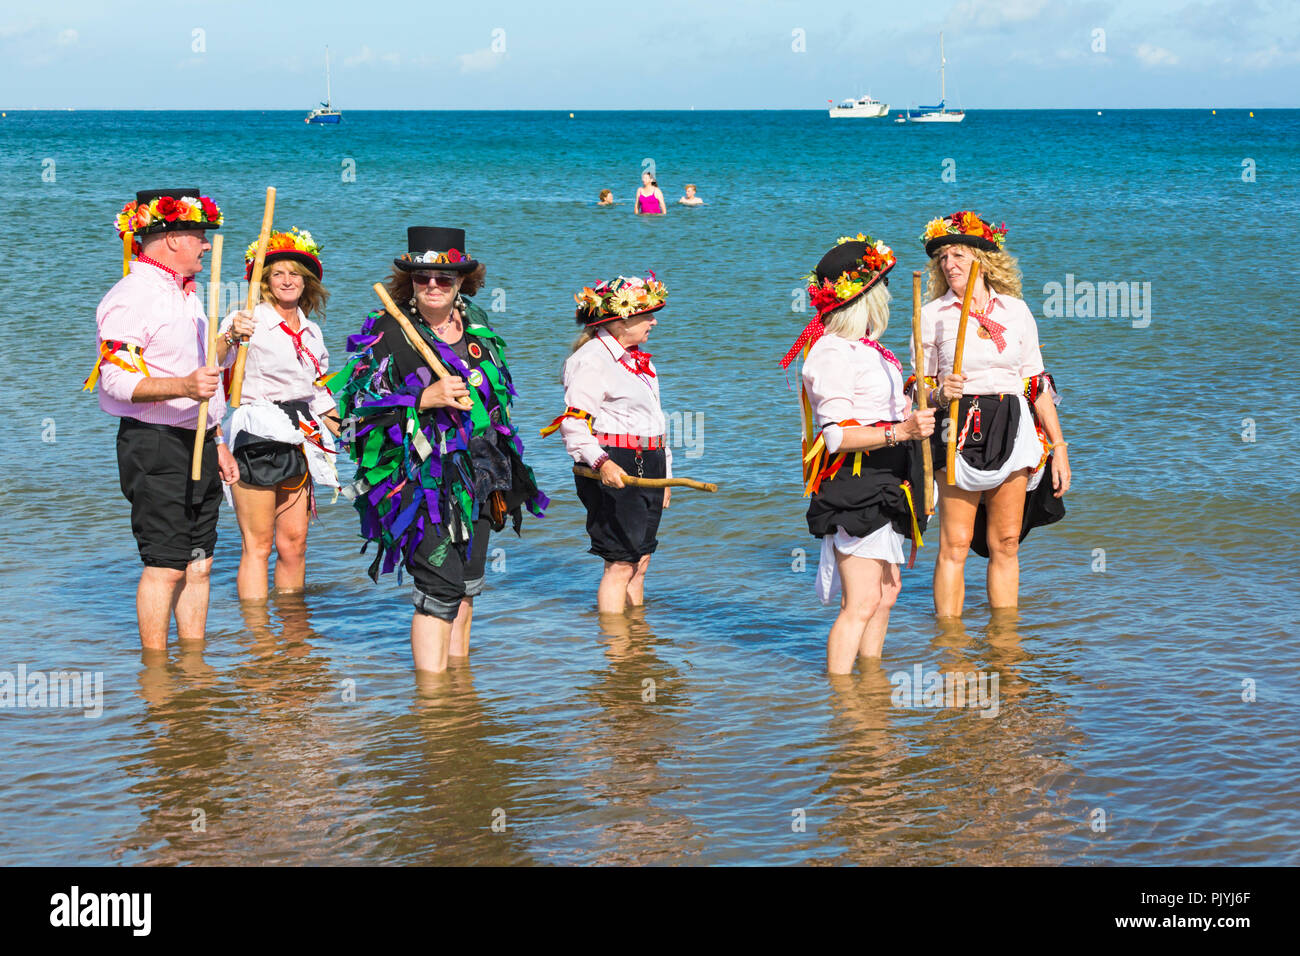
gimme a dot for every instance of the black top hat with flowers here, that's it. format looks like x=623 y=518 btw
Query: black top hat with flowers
x=167 y=210
x=963 y=228
x=845 y=273
x=619 y=298
x=435 y=247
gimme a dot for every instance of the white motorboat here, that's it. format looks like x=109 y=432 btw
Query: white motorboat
x=864 y=107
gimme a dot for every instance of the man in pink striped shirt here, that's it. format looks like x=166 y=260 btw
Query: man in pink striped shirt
x=152 y=339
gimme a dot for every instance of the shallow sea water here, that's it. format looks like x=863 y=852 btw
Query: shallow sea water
x=702 y=730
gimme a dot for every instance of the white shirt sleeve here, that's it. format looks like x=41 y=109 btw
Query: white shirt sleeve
x=584 y=388
x=829 y=384
x=1031 y=356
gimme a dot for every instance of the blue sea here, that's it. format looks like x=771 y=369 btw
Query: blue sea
x=1146 y=710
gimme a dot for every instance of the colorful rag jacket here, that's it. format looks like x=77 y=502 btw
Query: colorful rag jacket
x=421 y=473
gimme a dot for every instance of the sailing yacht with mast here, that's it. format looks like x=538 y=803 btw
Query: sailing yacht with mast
x=939 y=113
x=325 y=114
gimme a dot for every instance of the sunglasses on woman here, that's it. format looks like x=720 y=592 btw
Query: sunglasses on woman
x=441 y=279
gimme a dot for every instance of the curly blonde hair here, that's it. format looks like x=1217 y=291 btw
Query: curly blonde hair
x=999 y=269
x=314 y=295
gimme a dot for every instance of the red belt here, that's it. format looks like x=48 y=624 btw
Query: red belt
x=636 y=442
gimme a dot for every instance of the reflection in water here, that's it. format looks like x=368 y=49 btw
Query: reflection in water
x=624 y=742
x=238 y=762
x=447 y=788
x=895 y=767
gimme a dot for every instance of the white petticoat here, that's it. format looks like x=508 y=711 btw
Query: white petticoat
x=883 y=544
x=1025 y=453
x=268 y=421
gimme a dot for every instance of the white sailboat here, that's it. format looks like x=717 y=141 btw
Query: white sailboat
x=325 y=114
x=939 y=113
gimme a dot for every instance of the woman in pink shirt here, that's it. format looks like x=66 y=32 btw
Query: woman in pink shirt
x=864 y=469
x=614 y=424
x=281 y=433
x=1009 y=435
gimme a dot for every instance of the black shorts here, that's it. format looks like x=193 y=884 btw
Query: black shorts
x=438 y=590
x=173 y=518
x=270 y=464
x=623 y=522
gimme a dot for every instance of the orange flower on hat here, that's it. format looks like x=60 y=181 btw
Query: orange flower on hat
x=972 y=225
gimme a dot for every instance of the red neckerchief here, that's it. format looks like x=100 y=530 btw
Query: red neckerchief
x=300 y=348
x=640 y=359
x=185 y=283
x=994 y=329
x=889 y=356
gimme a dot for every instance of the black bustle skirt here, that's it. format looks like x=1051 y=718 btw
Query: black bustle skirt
x=1042 y=507
x=863 y=503
x=999 y=425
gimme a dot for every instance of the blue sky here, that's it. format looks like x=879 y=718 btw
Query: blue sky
x=659 y=54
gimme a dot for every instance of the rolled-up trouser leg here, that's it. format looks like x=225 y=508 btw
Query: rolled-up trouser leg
x=438 y=589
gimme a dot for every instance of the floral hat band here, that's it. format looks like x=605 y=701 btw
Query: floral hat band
x=435 y=258
x=848 y=271
x=296 y=244
x=619 y=298
x=963 y=228
x=170 y=211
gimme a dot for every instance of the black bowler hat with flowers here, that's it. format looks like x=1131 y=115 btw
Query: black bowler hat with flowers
x=963 y=228
x=435 y=247
x=844 y=274
x=167 y=210
x=619 y=298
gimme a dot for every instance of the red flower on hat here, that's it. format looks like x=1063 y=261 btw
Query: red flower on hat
x=169 y=208
x=823 y=296
x=454 y=255
x=210 y=210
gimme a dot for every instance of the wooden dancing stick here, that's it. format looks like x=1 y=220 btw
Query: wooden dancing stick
x=585 y=472
x=922 y=393
x=956 y=370
x=417 y=340
x=254 y=293
x=214 y=297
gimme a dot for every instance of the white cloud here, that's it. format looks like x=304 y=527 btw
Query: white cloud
x=479 y=60
x=67 y=38
x=1152 y=55
x=1274 y=55
x=989 y=14
x=366 y=55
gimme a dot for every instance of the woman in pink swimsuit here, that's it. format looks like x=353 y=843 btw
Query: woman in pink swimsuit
x=649 y=198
